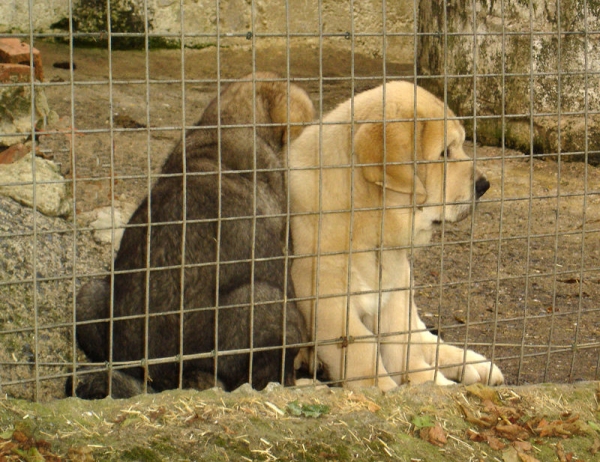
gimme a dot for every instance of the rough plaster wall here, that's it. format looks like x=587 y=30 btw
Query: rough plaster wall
x=531 y=45
x=199 y=17
x=235 y=17
x=302 y=17
x=14 y=14
x=562 y=58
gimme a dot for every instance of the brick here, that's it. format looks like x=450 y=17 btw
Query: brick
x=14 y=73
x=13 y=51
x=14 y=153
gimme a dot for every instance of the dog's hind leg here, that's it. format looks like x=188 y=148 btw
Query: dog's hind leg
x=93 y=304
x=266 y=325
x=93 y=311
x=201 y=380
x=95 y=385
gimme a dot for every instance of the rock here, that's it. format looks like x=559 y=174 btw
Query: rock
x=244 y=389
x=51 y=195
x=103 y=223
x=15 y=112
x=16 y=101
x=14 y=73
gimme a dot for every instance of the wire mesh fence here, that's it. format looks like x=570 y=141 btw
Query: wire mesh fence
x=92 y=155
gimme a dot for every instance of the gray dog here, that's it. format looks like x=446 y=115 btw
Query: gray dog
x=228 y=290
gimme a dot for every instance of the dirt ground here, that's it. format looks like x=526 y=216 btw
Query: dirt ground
x=522 y=274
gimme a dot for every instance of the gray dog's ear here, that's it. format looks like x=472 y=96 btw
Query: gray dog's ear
x=301 y=111
x=399 y=146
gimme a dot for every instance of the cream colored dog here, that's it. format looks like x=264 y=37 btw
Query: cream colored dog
x=359 y=201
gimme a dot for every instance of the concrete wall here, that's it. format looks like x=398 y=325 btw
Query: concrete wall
x=15 y=17
x=530 y=65
x=538 y=60
x=236 y=17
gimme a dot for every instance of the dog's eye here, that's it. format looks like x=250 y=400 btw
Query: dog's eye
x=443 y=153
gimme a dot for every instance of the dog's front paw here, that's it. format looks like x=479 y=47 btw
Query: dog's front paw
x=490 y=374
x=486 y=373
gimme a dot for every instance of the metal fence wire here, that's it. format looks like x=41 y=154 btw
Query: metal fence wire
x=235 y=241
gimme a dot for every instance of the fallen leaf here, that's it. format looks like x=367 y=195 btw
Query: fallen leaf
x=512 y=432
x=526 y=457
x=560 y=428
x=475 y=436
x=422 y=421
x=560 y=452
x=523 y=446
x=19 y=437
x=507 y=414
x=495 y=443
x=434 y=435
x=471 y=418
x=483 y=392
x=510 y=455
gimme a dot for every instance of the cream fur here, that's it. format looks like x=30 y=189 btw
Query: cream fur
x=349 y=227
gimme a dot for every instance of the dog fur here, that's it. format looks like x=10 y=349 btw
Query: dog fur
x=358 y=200
x=235 y=212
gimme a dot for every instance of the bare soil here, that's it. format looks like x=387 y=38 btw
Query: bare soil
x=523 y=273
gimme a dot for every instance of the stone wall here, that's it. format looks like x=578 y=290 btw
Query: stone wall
x=536 y=67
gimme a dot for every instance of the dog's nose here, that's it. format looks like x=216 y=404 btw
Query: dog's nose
x=481 y=186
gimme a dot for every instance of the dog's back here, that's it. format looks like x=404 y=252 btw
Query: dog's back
x=231 y=216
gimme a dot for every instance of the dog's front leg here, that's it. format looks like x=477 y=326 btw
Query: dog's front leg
x=356 y=358
x=402 y=345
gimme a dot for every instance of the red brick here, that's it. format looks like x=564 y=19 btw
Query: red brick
x=14 y=153
x=14 y=73
x=13 y=51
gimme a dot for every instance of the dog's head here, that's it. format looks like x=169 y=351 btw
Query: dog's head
x=260 y=109
x=417 y=152
x=277 y=109
x=289 y=110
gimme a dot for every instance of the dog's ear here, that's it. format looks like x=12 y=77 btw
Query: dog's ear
x=399 y=146
x=301 y=111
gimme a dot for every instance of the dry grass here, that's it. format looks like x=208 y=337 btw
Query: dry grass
x=546 y=422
